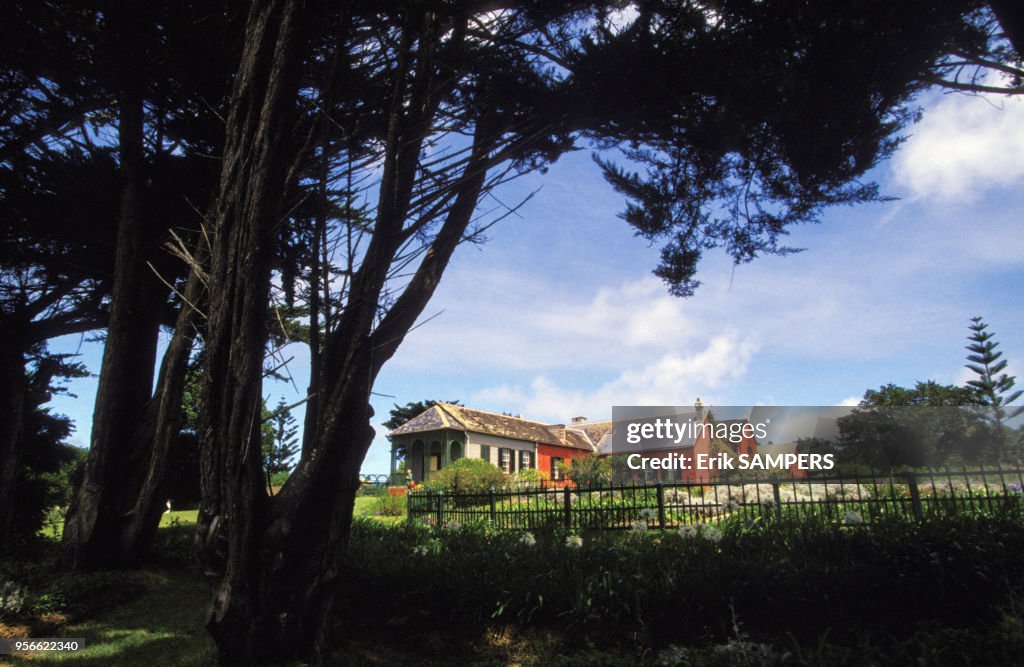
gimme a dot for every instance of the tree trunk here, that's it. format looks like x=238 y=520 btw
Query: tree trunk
x=159 y=429
x=1010 y=15
x=12 y=403
x=252 y=183
x=126 y=374
x=313 y=397
x=273 y=563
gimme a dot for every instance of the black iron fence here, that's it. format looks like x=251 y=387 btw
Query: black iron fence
x=848 y=499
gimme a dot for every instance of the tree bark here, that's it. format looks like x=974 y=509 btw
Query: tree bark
x=12 y=403
x=126 y=374
x=273 y=563
x=159 y=428
x=253 y=172
x=1010 y=15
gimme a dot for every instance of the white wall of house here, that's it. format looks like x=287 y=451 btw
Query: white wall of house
x=475 y=441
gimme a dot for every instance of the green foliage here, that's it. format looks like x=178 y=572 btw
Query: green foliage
x=468 y=475
x=279 y=440
x=388 y=505
x=743 y=170
x=928 y=393
x=645 y=587
x=48 y=463
x=588 y=471
x=994 y=388
x=530 y=477
x=928 y=425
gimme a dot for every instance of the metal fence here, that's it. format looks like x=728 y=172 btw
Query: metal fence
x=849 y=499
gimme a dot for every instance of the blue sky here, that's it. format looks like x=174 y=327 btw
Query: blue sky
x=558 y=314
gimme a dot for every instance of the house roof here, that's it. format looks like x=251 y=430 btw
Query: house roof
x=446 y=415
x=592 y=432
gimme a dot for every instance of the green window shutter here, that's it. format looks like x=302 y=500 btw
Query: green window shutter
x=485 y=453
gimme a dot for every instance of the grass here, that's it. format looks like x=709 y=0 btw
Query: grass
x=367 y=507
x=162 y=626
x=157 y=619
x=55 y=531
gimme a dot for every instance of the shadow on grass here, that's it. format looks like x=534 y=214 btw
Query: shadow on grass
x=163 y=626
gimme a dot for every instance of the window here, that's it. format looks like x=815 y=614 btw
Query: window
x=435 y=462
x=505 y=459
x=525 y=460
x=556 y=472
x=485 y=453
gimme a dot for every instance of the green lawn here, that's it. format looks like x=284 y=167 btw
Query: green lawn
x=162 y=626
x=368 y=507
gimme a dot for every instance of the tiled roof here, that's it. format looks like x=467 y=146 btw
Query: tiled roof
x=593 y=431
x=429 y=420
x=445 y=415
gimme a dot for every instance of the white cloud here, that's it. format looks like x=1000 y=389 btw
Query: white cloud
x=670 y=379
x=962 y=147
x=515 y=323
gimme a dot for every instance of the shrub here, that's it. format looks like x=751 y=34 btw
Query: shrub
x=471 y=476
x=530 y=477
x=588 y=471
x=388 y=506
x=886 y=580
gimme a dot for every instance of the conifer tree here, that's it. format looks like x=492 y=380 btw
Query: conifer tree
x=993 y=387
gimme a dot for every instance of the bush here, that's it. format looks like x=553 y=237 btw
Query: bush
x=588 y=471
x=530 y=477
x=801 y=579
x=471 y=476
x=388 y=505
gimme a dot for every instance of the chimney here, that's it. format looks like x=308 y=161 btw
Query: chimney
x=698 y=405
x=561 y=432
x=579 y=420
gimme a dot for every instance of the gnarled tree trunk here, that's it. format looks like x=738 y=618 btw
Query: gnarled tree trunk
x=126 y=374
x=12 y=403
x=252 y=183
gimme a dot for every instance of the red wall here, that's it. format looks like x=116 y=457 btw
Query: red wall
x=546 y=452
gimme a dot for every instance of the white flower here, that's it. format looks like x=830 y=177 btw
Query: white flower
x=419 y=550
x=853 y=518
x=638 y=527
x=574 y=541
x=730 y=505
x=712 y=534
x=648 y=514
x=528 y=539
x=453 y=525
x=689 y=531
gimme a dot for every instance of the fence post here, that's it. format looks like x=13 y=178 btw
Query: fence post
x=440 y=508
x=778 y=500
x=408 y=505
x=661 y=506
x=566 y=502
x=915 y=495
x=494 y=508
